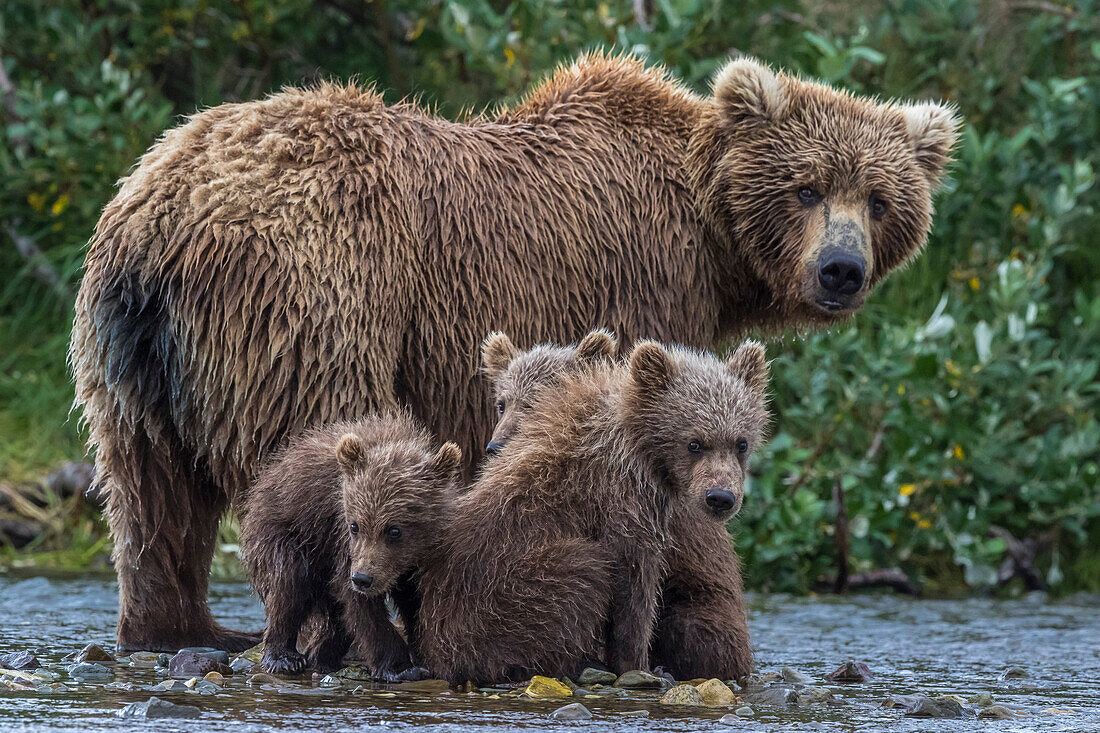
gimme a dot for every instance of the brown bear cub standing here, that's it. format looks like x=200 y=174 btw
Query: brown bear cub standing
x=701 y=626
x=343 y=516
x=558 y=548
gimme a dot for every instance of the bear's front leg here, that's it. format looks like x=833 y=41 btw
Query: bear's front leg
x=633 y=611
x=287 y=610
x=386 y=652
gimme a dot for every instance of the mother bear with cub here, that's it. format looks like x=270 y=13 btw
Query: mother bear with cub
x=318 y=255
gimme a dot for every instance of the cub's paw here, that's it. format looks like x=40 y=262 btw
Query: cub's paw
x=413 y=674
x=285 y=663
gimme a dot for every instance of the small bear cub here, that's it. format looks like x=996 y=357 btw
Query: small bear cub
x=343 y=516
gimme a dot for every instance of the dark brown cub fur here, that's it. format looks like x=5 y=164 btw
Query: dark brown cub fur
x=343 y=516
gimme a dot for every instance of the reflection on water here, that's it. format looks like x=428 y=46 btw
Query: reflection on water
x=931 y=647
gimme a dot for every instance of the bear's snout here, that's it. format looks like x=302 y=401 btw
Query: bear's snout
x=841 y=273
x=722 y=501
x=362 y=581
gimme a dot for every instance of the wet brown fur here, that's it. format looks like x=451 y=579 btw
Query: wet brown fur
x=555 y=556
x=296 y=543
x=303 y=258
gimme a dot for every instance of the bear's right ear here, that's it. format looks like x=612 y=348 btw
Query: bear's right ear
x=934 y=131
x=350 y=452
x=748 y=91
x=651 y=366
x=750 y=363
x=446 y=462
x=598 y=346
x=497 y=352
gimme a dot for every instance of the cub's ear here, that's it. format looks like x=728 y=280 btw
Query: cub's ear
x=350 y=452
x=748 y=91
x=933 y=131
x=651 y=366
x=447 y=462
x=598 y=346
x=497 y=352
x=750 y=363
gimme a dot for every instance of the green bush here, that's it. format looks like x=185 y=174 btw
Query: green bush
x=962 y=397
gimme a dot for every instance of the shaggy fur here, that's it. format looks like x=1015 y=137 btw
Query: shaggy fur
x=701 y=626
x=351 y=500
x=557 y=550
x=316 y=254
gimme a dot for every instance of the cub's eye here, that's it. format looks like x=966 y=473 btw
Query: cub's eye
x=695 y=446
x=878 y=207
x=742 y=445
x=393 y=533
x=500 y=407
x=808 y=196
x=354 y=527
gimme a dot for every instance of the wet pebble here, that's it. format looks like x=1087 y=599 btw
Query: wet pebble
x=154 y=707
x=776 y=696
x=682 y=695
x=715 y=693
x=851 y=671
x=354 y=673
x=729 y=718
x=191 y=664
x=170 y=686
x=219 y=656
x=547 y=688
x=573 y=711
x=53 y=687
x=90 y=653
x=744 y=712
x=591 y=676
x=429 y=685
x=811 y=695
x=789 y=674
x=240 y=665
x=995 y=712
x=1014 y=673
x=635 y=714
x=145 y=660
x=89 y=670
x=982 y=699
x=19 y=661
x=329 y=681
x=922 y=706
x=639 y=680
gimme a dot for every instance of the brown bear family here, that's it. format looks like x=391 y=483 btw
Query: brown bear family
x=555 y=557
x=316 y=255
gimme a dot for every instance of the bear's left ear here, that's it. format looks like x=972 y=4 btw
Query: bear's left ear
x=748 y=91
x=350 y=452
x=750 y=363
x=446 y=462
x=497 y=352
x=651 y=366
x=598 y=346
x=933 y=130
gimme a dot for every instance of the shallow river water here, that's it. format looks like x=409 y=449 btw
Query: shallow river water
x=914 y=647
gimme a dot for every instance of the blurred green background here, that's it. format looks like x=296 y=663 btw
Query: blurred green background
x=962 y=398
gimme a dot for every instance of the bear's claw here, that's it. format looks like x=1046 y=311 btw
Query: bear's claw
x=287 y=663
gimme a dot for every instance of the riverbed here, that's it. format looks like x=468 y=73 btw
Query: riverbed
x=960 y=648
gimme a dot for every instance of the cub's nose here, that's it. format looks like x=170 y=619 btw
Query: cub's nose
x=493 y=448
x=362 y=581
x=720 y=500
x=841 y=273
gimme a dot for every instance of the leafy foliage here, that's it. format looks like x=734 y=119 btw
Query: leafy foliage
x=962 y=397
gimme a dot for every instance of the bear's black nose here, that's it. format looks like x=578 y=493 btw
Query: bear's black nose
x=841 y=273
x=362 y=581
x=493 y=448
x=720 y=500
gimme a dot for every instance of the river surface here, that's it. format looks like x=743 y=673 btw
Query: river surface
x=913 y=647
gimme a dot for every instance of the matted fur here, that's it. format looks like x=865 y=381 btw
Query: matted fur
x=317 y=254
x=378 y=472
x=555 y=556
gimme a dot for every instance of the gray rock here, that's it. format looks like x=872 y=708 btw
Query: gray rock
x=777 y=696
x=1014 y=673
x=154 y=707
x=744 y=712
x=170 y=686
x=163 y=660
x=19 y=661
x=573 y=711
x=811 y=695
x=146 y=660
x=53 y=687
x=91 y=653
x=728 y=718
x=89 y=670
x=850 y=671
x=329 y=681
x=682 y=695
x=982 y=699
x=354 y=673
x=219 y=656
x=793 y=675
x=639 y=680
x=922 y=706
x=240 y=665
x=188 y=664
x=635 y=714
x=262 y=678
x=995 y=712
x=581 y=692
x=591 y=676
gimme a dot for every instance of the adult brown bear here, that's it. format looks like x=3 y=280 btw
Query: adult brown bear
x=316 y=255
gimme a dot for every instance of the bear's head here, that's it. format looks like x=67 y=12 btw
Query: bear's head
x=394 y=496
x=823 y=192
x=697 y=418
x=517 y=375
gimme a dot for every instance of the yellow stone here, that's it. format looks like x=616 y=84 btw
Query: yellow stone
x=547 y=688
x=215 y=677
x=190 y=684
x=255 y=654
x=716 y=693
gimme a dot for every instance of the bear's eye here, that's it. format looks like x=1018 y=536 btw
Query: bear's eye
x=808 y=196
x=878 y=207
x=500 y=407
x=742 y=445
x=695 y=446
x=393 y=533
x=354 y=527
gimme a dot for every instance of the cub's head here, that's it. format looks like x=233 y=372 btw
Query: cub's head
x=395 y=496
x=517 y=375
x=698 y=418
x=820 y=192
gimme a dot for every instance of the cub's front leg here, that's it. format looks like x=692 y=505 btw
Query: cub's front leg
x=368 y=621
x=633 y=610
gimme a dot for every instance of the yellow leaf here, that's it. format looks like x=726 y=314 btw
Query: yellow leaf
x=924 y=524
x=901 y=389
x=510 y=55
x=975 y=283
x=958 y=452
x=60 y=205
x=915 y=516
x=37 y=201
x=415 y=32
x=907 y=489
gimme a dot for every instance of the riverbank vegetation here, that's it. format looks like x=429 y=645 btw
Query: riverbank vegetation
x=954 y=418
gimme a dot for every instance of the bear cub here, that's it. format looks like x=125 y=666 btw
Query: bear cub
x=343 y=516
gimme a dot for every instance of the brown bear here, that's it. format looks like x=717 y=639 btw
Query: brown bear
x=701 y=626
x=303 y=258
x=342 y=517
x=515 y=376
x=557 y=550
